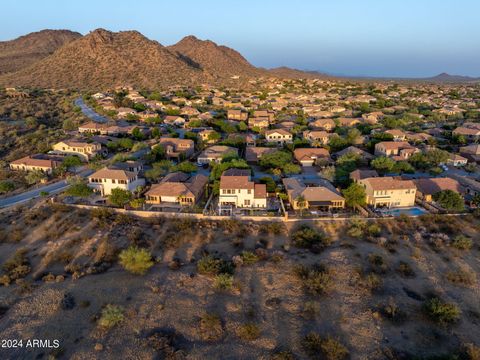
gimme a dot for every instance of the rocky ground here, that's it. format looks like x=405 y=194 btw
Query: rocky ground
x=370 y=300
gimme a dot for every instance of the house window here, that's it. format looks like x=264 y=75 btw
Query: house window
x=247 y=202
x=249 y=191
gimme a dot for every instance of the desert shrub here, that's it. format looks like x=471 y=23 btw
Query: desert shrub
x=310 y=238
x=315 y=279
x=17 y=266
x=249 y=257
x=16 y=235
x=355 y=232
x=211 y=328
x=210 y=265
x=310 y=309
x=112 y=315
x=5 y=280
x=136 y=260
x=405 y=269
x=461 y=277
x=330 y=348
x=282 y=355
x=372 y=282
x=392 y=311
x=373 y=230
x=236 y=227
x=377 y=263
x=223 y=282
x=356 y=228
x=277 y=256
x=248 y=331
x=462 y=242
x=441 y=312
x=275 y=228
x=471 y=351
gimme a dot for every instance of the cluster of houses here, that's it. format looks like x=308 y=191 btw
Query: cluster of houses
x=284 y=118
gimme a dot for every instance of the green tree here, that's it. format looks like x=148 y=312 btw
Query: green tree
x=186 y=167
x=79 y=189
x=135 y=260
x=383 y=164
x=137 y=203
x=34 y=177
x=449 y=200
x=120 y=197
x=301 y=203
x=71 y=161
x=214 y=136
x=291 y=169
x=137 y=134
x=271 y=185
x=159 y=169
x=6 y=186
x=354 y=195
x=242 y=126
x=403 y=167
x=156 y=132
x=125 y=143
x=275 y=159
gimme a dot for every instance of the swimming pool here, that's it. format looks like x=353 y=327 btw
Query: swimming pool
x=409 y=211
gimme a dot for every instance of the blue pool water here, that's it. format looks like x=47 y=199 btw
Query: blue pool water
x=410 y=211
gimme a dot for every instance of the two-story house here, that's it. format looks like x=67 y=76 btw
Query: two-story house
x=389 y=192
x=316 y=137
x=260 y=123
x=107 y=179
x=177 y=148
x=238 y=190
x=278 y=136
x=265 y=114
x=323 y=124
x=237 y=115
x=397 y=150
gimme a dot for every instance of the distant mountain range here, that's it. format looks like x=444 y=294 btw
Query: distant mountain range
x=447 y=78
x=103 y=59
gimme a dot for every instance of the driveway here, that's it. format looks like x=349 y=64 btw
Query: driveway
x=51 y=189
x=90 y=113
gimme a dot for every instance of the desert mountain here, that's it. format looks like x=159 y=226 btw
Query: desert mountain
x=217 y=61
x=25 y=50
x=289 y=73
x=103 y=59
x=447 y=78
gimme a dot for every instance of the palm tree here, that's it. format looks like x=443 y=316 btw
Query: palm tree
x=301 y=203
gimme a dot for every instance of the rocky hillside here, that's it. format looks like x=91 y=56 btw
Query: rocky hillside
x=217 y=61
x=28 y=49
x=104 y=59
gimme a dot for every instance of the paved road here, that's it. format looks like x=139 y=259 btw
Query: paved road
x=88 y=112
x=51 y=189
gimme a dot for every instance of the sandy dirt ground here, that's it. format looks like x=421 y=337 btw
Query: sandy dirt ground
x=162 y=309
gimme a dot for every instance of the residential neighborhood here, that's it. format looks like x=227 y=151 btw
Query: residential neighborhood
x=234 y=153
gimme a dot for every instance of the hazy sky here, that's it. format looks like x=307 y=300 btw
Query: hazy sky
x=348 y=37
